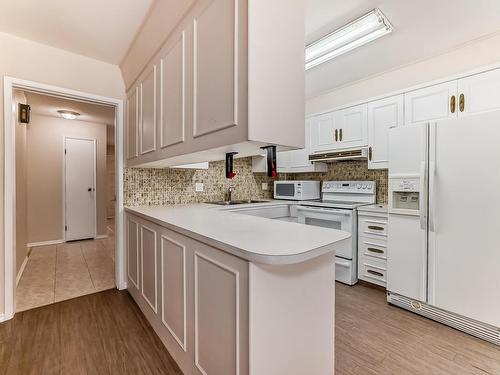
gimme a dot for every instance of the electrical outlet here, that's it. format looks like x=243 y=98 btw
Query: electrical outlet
x=198 y=187
x=264 y=186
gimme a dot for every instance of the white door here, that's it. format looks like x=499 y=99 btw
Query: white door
x=80 y=194
x=431 y=103
x=383 y=115
x=479 y=93
x=353 y=129
x=464 y=202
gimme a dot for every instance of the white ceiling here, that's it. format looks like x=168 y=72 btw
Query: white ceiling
x=423 y=28
x=49 y=105
x=101 y=29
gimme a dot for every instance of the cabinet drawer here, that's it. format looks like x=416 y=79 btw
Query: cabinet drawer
x=375 y=226
x=372 y=271
x=372 y=248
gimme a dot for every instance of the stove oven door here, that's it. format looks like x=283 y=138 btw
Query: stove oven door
x=335 y=219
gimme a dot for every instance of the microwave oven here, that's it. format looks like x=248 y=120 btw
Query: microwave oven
x=297 y=190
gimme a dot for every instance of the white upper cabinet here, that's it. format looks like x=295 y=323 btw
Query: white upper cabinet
x=338 y=130
x=222 y=82
x=173 y=93
x=215 y=68
x=132 y=119
x=383 y=114
x=431 y=103
x=479 y=93
x=147 y=122
x=324 y=132
x=353 y=126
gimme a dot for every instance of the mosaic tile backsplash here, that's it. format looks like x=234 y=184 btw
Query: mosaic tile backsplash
x=145 y=186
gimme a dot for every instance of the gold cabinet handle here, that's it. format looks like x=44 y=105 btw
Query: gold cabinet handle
x=375 y=273
x=336 y=135
x=375 y=227
x=461 y=103
x=340 y=135
x=453 y=104
x=370 y=153
x=374 y=250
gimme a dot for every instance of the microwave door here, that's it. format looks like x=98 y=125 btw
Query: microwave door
x=284 y=190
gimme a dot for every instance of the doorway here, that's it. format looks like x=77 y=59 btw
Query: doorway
x=80 y=188
x=99 y=228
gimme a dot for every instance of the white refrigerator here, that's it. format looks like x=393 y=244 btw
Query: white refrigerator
x=443 y=258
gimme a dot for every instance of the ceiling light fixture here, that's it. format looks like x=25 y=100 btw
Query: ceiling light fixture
x=365 y=29
x=68 y=115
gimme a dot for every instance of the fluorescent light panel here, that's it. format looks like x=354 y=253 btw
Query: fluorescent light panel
x=365 y=29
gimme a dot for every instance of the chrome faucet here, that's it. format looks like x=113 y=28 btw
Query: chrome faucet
x=229 y=194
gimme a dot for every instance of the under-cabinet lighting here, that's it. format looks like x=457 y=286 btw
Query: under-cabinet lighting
x=68 y=115
x=365 y=29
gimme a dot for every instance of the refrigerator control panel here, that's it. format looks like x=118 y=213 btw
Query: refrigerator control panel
x=404 y=195
x=405 y=184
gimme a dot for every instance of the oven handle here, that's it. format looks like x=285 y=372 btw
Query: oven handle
x=323 y=210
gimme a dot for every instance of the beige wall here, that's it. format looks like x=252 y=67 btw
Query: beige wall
x=473 y=55
x=28 y=60
x=21 y=185
x=45 y=154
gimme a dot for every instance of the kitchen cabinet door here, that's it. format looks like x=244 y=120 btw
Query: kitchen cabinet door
x=149 y=264
x=221 y=312
x=132 y=121
x=353 y=127
x=431 y=103
x=479 y=93
x=382 y=115
x=173 y=93
x=216 y=46
x=323 y=131
x=147 y=128
x=133 y=251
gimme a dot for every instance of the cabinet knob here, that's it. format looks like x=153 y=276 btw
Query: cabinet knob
x=370 y=153
x=340 y=135
x=453 y=103
x=461 y=103
x=336 y=135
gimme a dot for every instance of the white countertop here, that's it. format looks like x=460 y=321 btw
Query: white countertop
x=255 y=239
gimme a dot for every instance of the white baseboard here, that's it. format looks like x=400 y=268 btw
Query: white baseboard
x=45 y=243
x=101 y=236
x=21 y=270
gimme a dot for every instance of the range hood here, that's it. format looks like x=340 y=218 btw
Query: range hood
x=334 y=156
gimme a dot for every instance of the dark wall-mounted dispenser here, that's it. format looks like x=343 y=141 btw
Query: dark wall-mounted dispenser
x=230 y=165
x=271 y=160
x=24 y=113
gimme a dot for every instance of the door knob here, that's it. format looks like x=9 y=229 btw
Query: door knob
x=90 y=189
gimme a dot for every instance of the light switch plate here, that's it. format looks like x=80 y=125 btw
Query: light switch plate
x=198 y=187
x=264 y=186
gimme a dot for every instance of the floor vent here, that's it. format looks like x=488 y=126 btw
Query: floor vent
x=473 y=327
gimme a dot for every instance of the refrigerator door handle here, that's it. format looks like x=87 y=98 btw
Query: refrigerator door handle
x=432 y=177
x=422 y=208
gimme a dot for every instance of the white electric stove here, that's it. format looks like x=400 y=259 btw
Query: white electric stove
x=337 y=210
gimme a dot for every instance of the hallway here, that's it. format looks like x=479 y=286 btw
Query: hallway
x=56 y=273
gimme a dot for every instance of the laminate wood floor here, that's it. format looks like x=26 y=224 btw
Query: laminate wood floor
x=105 y=333
x=102 y=333
x=374 y=338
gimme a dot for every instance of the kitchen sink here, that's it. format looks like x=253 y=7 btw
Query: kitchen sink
x=242 y=201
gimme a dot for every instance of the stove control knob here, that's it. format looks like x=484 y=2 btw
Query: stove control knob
x=358 y=186
x=364 y=186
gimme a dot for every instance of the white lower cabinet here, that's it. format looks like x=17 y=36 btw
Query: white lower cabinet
x=193 y=295
x=372 y=247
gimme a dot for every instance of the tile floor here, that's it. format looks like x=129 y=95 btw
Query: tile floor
x=56 y=273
